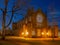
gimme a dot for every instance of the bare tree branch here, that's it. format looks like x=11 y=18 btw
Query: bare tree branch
x=16 y=7
x=1 y=9
x=10 y=19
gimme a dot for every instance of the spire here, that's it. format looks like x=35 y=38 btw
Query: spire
x=39 y=10
x=30 y=11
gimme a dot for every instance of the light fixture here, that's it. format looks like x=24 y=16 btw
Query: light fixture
x=47 y=33
x=22 y=33
x=27 y=33
x=42 y=33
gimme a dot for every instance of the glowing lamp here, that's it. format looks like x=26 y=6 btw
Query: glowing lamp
x=47 y=33
x=42 y=33
x=22 y=33
x=27 y=33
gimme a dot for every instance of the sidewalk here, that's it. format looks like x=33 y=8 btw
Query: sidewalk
x=14 y=37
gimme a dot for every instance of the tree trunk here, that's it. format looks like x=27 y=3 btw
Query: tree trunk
x=3 y=34
x=3 y=20
x=3 y=26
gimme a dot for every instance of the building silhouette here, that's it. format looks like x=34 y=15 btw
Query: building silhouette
x=35 y=25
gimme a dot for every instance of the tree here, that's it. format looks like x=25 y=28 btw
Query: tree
x=16 y=7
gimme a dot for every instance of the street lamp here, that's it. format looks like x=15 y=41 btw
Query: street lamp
x=47 y=33
x=26 y=33
x=22 y=33
x=42 y=33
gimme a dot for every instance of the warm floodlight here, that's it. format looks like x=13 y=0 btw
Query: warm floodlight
x=42 y=33
x=47 y=33
x=22 y=33
x=27 y=33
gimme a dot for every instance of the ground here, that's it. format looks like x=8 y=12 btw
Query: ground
x=17 y=41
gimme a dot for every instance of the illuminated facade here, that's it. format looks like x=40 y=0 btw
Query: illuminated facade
x=34 y=24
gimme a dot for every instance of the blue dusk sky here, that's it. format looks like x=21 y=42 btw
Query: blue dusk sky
x=43 y=4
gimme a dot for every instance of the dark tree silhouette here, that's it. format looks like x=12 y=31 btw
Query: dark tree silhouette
x=17 y=6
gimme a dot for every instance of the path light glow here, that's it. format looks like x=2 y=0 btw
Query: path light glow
x=42 y=33
x=47 y=33
x=27 y=33
x=22 y=33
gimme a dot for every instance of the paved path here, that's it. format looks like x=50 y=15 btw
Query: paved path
x=29 y=41
x=24 y=42
x=14 y=37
